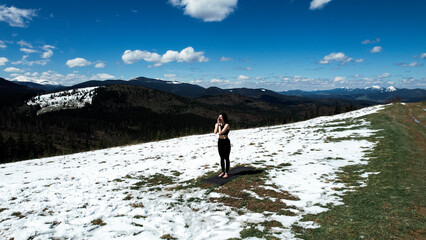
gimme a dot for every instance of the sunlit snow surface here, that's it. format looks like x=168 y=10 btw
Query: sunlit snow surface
x=59 y=197
x=70 y=99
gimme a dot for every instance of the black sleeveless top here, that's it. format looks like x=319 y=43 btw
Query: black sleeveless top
x=225 y=133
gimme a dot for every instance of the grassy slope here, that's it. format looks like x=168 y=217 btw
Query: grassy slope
x=392 y=206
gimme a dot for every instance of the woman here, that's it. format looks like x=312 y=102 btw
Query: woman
x=224 y=145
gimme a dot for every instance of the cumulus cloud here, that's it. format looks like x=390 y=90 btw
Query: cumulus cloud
x=339 y=57
x=215 y=80
x=197 y=81
x=22 y=43
x=78 y=62
x=243 y=78
x=12 y=69
x=3 y=61
x=376 y=49
x=384 y=75
x=340 y=79
x=243 y=68
x=412 y=64
x=368 y=41
x=186 y=55
x=318 y=4
x=28 y=50
x=225 y=59
x=48 y=53
x=207 y=10
x=16 y=17
x=24 y=61
x=423 y=56
x=100 y=65
x=103 y=76
x=171 y=75
x=2 y=44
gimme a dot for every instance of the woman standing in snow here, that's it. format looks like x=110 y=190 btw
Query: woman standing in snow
x=224 y=145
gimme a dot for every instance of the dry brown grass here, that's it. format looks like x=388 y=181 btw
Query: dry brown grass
x=238 y=195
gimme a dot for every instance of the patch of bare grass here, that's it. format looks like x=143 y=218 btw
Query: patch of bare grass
x=236 y=195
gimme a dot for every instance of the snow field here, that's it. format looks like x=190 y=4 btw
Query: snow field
x=71 y=99
x=60 y=197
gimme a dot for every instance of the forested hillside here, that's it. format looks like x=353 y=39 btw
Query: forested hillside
x=124 y=114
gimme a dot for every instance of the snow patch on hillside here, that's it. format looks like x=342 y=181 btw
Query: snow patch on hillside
x=71 y=99
x=59 y=197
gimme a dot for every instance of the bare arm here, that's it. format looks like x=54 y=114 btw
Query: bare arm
x=224 y=129
x=216 y=128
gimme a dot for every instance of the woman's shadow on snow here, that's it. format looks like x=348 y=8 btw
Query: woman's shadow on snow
x=233 y=173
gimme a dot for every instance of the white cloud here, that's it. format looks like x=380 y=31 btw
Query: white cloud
x=48 y=51
x=243 y=68
x=225 y=59
x=131 y=57
x=27 y=50
x=22 y=43
x=243 y=78
x=338 y=57
x=78 y=62
x=100 y=65
x=333 y=57
x=376 y=49
x=2 y=44
x=340 y=79
x=214 y=80
x=318 y=4
x=384 y=75
x=412 y=64
x=423 y=56
x=16 y=17
x=12 y=69
x=367 y=41
x=207 y=10
x=171 y=75
x=3 y=61
x=30 y=63
x=197 y=81
x=186 y=55
x=103 y=76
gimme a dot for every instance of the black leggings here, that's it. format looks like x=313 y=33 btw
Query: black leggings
x=224 y=146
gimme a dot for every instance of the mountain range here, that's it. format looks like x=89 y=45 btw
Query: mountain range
x=373 y=94
x=143 y=109
x=124 y=112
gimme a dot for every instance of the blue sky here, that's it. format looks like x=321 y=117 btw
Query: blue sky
x=274 y=44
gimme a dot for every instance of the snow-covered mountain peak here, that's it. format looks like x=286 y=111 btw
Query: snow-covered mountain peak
x=391 y=89
x=34 y=80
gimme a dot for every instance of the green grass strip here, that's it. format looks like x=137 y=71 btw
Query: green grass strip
x=392 y=205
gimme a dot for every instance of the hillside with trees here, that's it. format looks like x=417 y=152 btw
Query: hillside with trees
x=127 y=114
